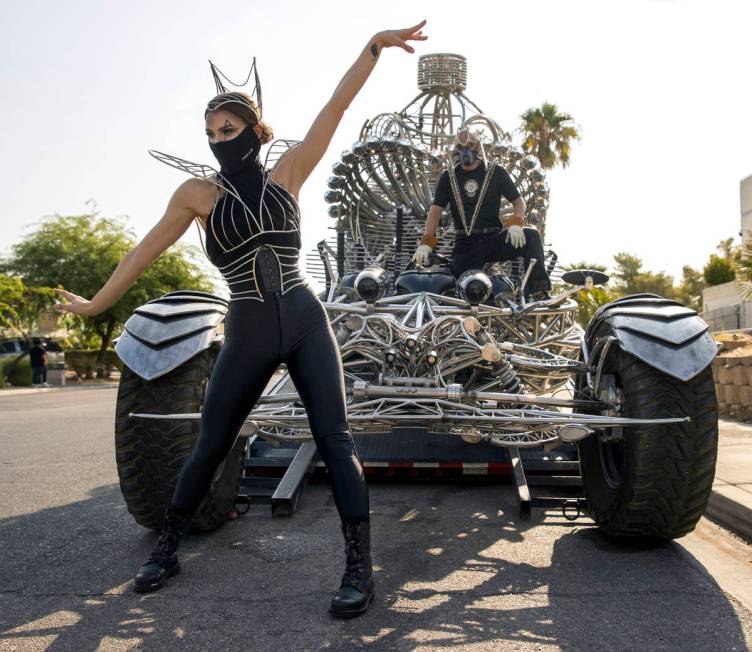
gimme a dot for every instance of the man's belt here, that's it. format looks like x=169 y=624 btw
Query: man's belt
x=488 y=229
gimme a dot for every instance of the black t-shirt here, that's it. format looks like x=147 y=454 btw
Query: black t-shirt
x=470 y=183
x=37 y=353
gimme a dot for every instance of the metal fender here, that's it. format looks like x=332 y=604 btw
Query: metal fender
x=164 y=333
x=662 y=333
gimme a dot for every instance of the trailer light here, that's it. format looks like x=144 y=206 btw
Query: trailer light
x=574 y=433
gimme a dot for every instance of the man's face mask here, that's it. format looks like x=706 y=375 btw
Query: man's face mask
x=468 y=155
x=466 y=146
x=239 y=153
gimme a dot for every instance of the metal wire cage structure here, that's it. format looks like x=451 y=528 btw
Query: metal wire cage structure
x=396 y=162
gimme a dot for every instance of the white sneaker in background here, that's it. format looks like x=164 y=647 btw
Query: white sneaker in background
x=45 y=385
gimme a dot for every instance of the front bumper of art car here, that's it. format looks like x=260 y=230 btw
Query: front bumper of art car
x=501 y=419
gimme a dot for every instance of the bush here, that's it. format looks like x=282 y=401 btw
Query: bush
x=84 y=361
x=718 y=270
x=18 y=375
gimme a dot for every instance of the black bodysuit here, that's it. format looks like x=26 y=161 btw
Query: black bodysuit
x=253 y=237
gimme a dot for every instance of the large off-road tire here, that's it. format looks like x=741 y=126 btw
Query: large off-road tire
x=150 y=453
x=655 y=483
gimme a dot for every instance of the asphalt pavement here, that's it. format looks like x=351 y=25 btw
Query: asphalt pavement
x=455 y=568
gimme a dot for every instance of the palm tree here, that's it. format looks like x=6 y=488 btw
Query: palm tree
x=548 y=134
x=743 y=267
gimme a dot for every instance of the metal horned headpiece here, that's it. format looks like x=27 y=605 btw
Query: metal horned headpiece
x=466 y=138
x=231 y=96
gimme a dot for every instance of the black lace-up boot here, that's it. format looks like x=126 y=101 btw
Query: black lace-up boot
x=356 y=591
x=163 y=560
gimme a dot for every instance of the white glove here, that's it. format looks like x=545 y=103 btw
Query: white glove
x=517 y=236
x=421 y=255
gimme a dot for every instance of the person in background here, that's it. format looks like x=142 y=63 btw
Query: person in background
x=38 y=357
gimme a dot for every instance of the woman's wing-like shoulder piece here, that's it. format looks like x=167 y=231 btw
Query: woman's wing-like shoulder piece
x=277 y=149
x=198 y=170
x=195 y=169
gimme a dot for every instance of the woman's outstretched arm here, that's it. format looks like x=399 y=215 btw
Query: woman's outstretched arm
x=295 y=167
x=176 y=220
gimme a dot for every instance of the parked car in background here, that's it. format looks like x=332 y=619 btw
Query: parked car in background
x=13 y=346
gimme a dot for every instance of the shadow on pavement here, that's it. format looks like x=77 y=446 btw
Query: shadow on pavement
x=454 y=568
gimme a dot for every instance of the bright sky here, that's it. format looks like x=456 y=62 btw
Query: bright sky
x=660 y=89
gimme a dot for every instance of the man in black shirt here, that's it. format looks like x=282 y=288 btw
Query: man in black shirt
x=38 y=359
x=479 y=234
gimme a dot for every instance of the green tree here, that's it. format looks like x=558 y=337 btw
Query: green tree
x=690 y=290
x=626 y=270
x=743 y=269
x=631 y=279
x=718 y=270
x=548 y=134
x=729 y=250
x=583 y=264
x=80 y=252
x=21 y=306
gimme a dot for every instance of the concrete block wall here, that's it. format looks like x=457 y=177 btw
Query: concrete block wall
x=733 y=386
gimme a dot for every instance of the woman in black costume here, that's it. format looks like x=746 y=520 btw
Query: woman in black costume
x=251 y=219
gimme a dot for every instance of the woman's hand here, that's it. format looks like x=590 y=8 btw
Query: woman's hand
x=77 y=305
x=294 y=169
x=399 y=37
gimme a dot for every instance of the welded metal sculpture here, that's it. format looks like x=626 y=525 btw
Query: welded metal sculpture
x=471 y=356
x=426 y=355
x=399 y=157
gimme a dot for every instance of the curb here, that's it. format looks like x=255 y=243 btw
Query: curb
x=730 y=513
x=20 y=391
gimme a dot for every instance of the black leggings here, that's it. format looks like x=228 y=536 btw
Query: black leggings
x=291 y=328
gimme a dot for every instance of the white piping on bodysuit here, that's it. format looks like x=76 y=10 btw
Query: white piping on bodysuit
x=293 y=215
x=290 y=210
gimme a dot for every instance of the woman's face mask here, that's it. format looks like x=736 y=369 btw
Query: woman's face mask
x=239 y=153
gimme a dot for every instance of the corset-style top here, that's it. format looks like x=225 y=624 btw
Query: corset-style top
x=253 y=235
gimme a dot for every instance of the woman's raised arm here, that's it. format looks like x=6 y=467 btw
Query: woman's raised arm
x=177 y=218
x=296 y=165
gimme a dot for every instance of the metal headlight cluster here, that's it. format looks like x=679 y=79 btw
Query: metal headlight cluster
x=371 y=283
x=475 y=287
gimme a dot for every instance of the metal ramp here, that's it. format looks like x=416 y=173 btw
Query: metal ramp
x=278 y=475
x=555 y=476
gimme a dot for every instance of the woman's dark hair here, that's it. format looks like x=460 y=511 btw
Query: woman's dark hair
x=243 y=106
